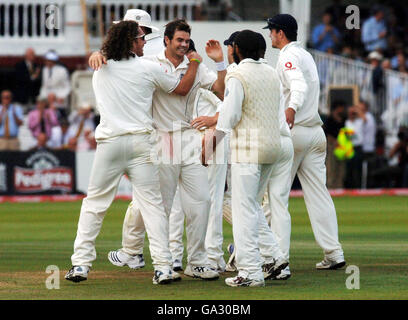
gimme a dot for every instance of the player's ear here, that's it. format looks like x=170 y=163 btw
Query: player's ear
x=166 y=41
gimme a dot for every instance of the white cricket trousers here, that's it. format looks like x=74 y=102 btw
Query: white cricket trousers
x=276 y=209
x=249 y=182
x=133 y=228
x=133 y=232
x=309 y=164
x=128 y=154
x=194 y=194
x=217 y=174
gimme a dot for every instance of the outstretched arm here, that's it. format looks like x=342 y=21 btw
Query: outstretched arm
x=214 y=52
x=187 y=82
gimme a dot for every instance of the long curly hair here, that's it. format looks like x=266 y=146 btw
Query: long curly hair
x=118 y=44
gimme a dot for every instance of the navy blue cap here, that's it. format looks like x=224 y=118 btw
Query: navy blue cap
x=283 y=21
x=230 y=40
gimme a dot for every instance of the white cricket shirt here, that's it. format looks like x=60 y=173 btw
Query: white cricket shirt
x=172 y=112
x=124 y=91
x=300 y=84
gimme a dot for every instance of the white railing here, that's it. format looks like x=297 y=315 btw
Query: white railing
x=390 y=106
x=21 y=19
x=23 y=22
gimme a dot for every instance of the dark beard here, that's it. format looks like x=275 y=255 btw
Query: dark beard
x=235 y=56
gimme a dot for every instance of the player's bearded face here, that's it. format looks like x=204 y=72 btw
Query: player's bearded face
x=180 y=43
x=235 y=55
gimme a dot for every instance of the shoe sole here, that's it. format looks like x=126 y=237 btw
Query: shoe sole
x=165 y=281
x=334 y=266
x=76 y=279
x=198 y=277
x=246 y=285
x=285 y=277
x=176 y=279
x=277 y=271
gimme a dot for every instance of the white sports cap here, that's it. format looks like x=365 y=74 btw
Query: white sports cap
x=139 y=16
x=375 y=55
x=51 y=55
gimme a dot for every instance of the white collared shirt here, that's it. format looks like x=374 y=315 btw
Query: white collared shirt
x=172 y=112
x=300 y=84
x=124 y=91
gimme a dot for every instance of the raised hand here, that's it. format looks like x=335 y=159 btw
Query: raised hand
x=214 y=50
x=96 y=60
x=194 y=55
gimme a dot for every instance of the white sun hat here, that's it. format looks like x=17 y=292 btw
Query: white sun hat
x=139 y=16
x=51 y=56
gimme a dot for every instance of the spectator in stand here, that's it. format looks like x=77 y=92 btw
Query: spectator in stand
x=82 y=127
x=42 y=140
x=325 y=36
x=386 y=64
x=42 y=119
x=399 y=63
x=11 y=118
x=354 y=165
x=369 y=136
x=59 y=136
x=28 y=79
x=369 y=129
x=332 y=125
x=374 y=31
x=338 y=12
x=395 y=175
x=55 y=80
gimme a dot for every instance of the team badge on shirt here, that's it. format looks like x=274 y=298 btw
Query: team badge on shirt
x=289 y=66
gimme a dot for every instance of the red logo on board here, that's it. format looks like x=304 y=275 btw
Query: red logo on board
x=288 y=65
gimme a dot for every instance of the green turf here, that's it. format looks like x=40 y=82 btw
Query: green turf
x=373 y=232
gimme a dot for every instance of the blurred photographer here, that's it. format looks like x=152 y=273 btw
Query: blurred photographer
x=354 y=165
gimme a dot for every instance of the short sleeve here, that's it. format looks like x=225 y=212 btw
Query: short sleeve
x=162 y=79
x=207 y=77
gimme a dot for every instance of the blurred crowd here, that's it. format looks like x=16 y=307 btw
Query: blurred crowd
x=40 y=102
x=383 y=34
x=367 y=164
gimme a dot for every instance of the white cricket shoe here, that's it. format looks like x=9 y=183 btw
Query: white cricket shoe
x=271 y=270
x=120 y=259
x=201 y=272
x=77 y=273
x=177 y=265
x=284 y=275
x=239 y=281
x=331 y=264
x=161 y=277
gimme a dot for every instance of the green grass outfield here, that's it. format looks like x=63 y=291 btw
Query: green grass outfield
x=373 y=231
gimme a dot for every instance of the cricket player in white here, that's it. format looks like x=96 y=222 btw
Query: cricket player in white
x=250 y=113
x=124 y=89
x=172 y=116
x=300 y=96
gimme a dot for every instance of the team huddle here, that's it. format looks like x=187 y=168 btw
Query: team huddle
x=198 y=146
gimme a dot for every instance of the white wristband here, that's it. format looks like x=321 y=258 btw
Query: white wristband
x=220 y=66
